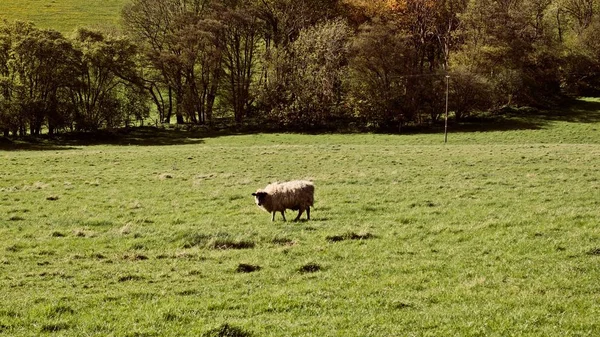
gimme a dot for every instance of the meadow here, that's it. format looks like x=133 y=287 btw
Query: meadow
x=64 y=15
x=494 y=234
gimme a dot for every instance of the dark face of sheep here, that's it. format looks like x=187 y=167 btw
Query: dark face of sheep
x=259 y=198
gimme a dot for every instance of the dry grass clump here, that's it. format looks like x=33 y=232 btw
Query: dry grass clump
x=218 y=241
x=126 y=230
x=165 y=176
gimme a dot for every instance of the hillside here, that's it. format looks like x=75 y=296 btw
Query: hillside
x=64 y=15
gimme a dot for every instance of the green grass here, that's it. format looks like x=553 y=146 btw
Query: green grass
x=495 y=233
x=64 y=15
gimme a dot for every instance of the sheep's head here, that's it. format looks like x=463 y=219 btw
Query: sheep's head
x=260 y=197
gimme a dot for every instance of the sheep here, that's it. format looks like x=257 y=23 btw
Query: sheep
x=297 y=195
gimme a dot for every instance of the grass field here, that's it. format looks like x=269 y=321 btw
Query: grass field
x=494 y=234
x=64 y=15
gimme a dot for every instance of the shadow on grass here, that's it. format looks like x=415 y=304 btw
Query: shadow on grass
x=141 y=136
x=576 y=111
x=30 y=145
x=509 y=119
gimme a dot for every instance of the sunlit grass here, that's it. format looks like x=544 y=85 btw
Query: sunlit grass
x=64 y=15
x=495 y=233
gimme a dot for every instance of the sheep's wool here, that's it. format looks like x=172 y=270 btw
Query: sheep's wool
x=295 y=195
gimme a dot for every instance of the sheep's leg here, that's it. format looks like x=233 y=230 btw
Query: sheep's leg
x=299 y=214
x=283 y=215
x=308 y=213
x=273 y=217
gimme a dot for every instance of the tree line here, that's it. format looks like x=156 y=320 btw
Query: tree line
x=379 y=64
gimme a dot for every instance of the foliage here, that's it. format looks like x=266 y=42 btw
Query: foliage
x=107 y=65
x=54 y=82
x=311 y=64
x=376 y=85
x=470 y=92
x=241 y=37
x=305 y=78
x=181 y=44
x=38 y=66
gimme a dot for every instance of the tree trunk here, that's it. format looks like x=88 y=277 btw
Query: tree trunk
x=170 y=110
x=210 y=102
x=180 y=119
x=559 y=25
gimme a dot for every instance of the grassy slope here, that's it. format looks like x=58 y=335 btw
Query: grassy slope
x=495 y=233
x=64 y=15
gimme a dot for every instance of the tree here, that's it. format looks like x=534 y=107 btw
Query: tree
x=582 y=11
x=306 y=82
x=447 y=25
x=581 y=69
x=106 y=67
x=377 y=81
x=469 y=93
x=285 y=19
x=241 y=34
x=181 y=42
x=511 y=43
x=38 y=64
x=6 y=115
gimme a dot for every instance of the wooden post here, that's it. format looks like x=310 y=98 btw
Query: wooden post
x=446 y=123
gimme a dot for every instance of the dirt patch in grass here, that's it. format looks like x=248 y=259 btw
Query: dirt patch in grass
x=350 y=236
x=57 y=234
x=79 y=233
x=231 y=244
x=401 y=305
x=594 y=252
x=98 y=256
x=135 y=257
x=4 y=327
x=310 y=268
x=15 y=248
x=247 y=268
x=227 y=330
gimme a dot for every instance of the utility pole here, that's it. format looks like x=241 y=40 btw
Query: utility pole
x=446 y=123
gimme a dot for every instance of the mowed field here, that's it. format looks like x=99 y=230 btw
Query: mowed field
x=64 y=15
x=496 y=233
